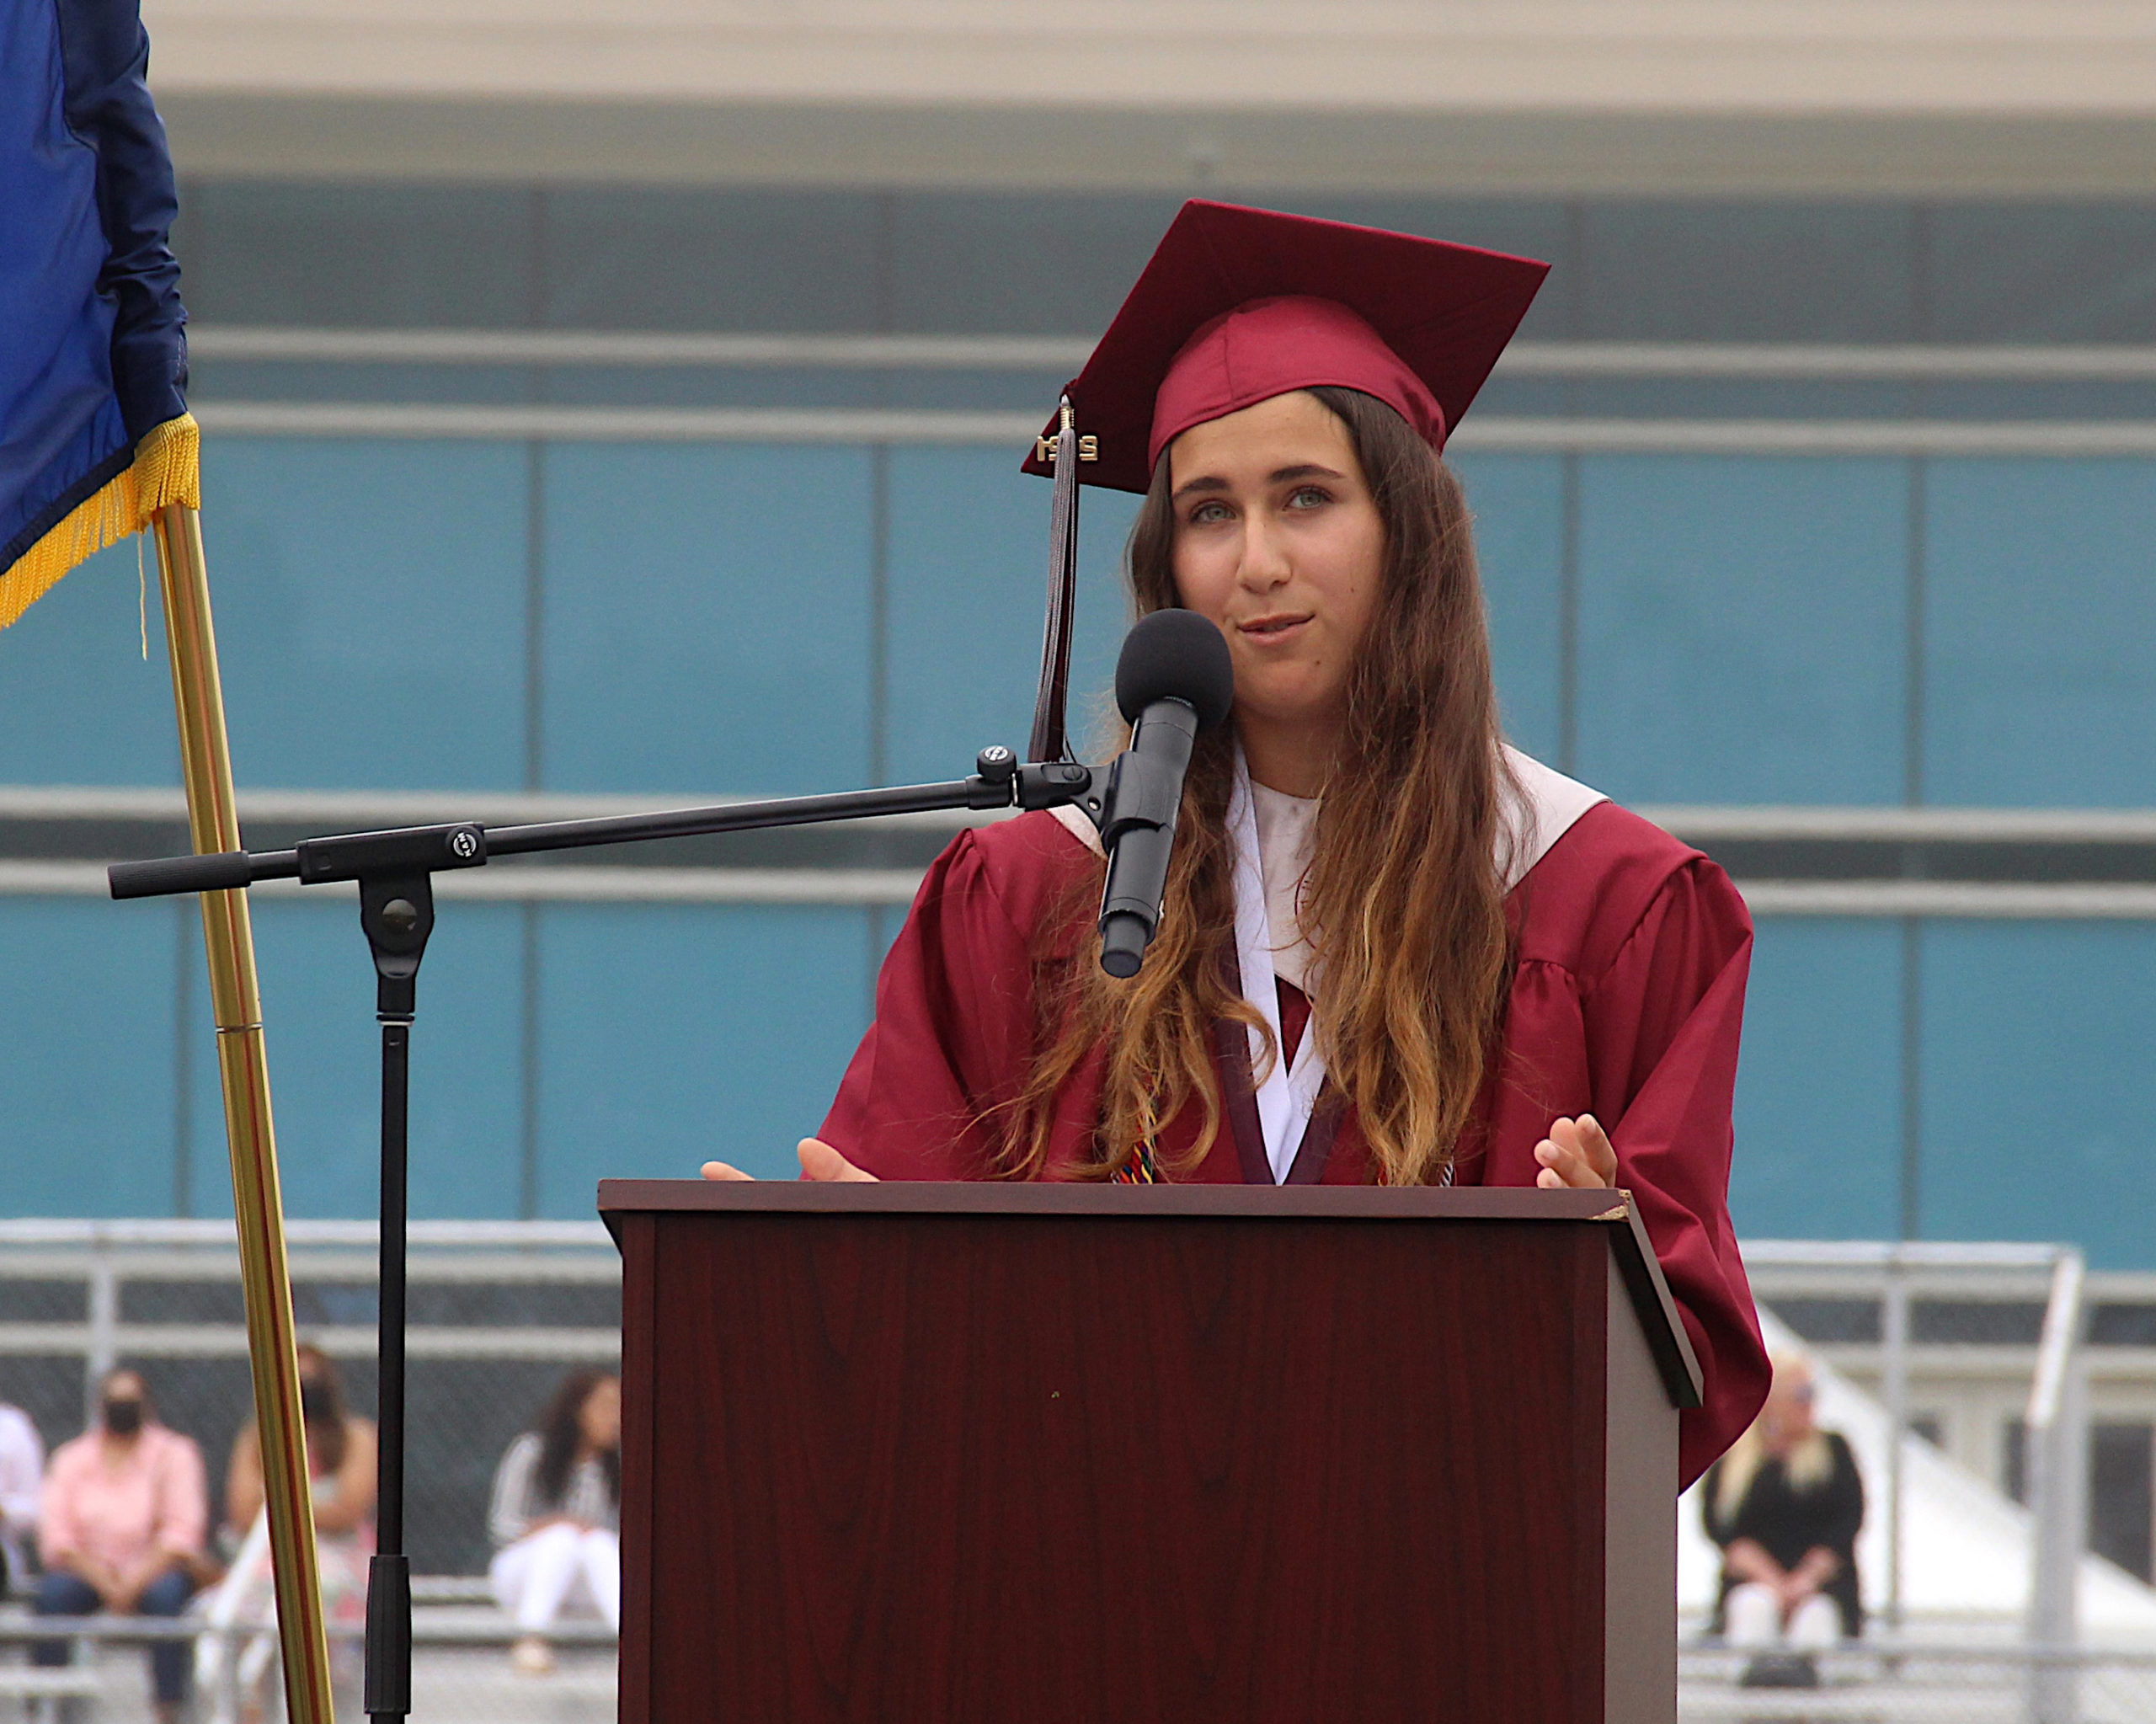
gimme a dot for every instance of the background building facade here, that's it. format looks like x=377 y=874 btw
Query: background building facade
x=1822 y=480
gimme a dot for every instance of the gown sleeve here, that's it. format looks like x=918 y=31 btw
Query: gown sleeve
x=1661 y=1022
x=953 y=1034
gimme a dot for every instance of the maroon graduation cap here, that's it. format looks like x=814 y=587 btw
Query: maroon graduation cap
x=1238 y=305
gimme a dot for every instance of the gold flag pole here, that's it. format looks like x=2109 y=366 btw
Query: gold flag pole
x=258 y=1206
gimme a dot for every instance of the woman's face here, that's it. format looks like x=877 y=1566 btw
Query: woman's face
x=1785 y=1420
x=123 y=1404
x=599 y=1420
x=1278 y=542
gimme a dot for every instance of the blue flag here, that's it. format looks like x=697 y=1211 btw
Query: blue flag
x=94 y=431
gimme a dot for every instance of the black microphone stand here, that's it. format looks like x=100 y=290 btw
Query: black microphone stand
x=395 y=872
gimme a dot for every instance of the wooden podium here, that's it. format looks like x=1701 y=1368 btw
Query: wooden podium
x=1083 y=1454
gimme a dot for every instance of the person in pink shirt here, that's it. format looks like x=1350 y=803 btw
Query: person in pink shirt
x=120 y=1528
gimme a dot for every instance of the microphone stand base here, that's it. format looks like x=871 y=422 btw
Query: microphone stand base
x=388 y=1693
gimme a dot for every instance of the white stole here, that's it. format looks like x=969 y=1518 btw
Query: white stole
x=1288 y=1092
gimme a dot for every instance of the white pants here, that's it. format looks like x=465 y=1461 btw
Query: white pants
x=1753 y=1617
x=535 y=1578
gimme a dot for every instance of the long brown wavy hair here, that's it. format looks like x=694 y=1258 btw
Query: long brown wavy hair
x=561 y=1433
x=1403 y=902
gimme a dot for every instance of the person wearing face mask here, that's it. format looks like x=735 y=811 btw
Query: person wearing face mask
x=1393 y=948
x=340 y=1464
x=120 y=1528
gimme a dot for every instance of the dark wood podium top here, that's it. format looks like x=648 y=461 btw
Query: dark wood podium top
x=1656 y=1311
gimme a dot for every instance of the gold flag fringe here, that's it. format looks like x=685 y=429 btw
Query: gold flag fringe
x=166 y=469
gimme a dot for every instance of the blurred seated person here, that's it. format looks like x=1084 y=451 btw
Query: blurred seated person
x=556 y=1515
x=21 y=1478
x=1785 y=1504
x=340 y=1464
x=121 y=1526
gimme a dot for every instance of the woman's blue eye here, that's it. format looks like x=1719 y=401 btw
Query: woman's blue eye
x=1207 y=513
x=1307 y=497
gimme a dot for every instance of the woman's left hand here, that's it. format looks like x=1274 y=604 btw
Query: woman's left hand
x=1578 y=1153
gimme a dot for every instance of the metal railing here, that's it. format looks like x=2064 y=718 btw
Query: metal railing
x=1058 y=356
x=2057 y=1418
x=1891 y=1680
x=460 y=1672
x=106 y=1255
x=503 y=1307
x=1697 y=823
x=2058 y=1486
x=104 y=1258
x=1489 y=434
x=600 y=883
x=2064 y=829
x=1779 y=361
x=500 y=1312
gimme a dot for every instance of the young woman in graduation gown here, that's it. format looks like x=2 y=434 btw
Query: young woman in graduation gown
x=1392 y=948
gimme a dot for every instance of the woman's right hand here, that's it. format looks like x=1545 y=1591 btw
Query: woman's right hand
x=819 y=1161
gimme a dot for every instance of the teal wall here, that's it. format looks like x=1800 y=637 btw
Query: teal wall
x=669 y=619
x=603 y=617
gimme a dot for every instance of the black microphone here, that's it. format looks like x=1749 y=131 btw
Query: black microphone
x=1173 y=680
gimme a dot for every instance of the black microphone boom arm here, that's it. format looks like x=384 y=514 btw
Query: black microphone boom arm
x=1001 y=782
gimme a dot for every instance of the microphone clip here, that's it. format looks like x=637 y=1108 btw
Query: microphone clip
x=1049 y=784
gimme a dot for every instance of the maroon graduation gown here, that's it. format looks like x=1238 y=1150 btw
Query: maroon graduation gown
x=1626 y=1003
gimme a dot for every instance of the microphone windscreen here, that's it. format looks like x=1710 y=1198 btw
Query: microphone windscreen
x=1176 y=655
